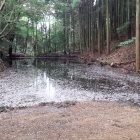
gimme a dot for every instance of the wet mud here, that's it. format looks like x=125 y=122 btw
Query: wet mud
x=32 y=82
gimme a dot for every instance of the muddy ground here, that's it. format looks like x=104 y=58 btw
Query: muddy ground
x=90 y=120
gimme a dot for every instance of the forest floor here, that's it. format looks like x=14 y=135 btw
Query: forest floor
x=122 y=58
x=88 y=120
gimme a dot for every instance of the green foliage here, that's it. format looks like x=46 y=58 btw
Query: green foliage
x=127 y=42
x=74 y=3
x=8 y=17
x=123 y=27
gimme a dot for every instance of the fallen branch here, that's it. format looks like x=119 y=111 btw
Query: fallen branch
x=118 y=64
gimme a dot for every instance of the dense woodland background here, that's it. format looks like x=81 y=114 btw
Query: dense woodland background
x=44 y=27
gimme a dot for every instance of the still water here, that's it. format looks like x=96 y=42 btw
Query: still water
x=37 y=81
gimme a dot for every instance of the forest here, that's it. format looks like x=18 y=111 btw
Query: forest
x=69 y=69
x=50 y=27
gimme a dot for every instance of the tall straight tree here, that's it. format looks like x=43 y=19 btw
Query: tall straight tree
x=137 y=35
x=99 y=31
x=107 y=27
x=64 y=31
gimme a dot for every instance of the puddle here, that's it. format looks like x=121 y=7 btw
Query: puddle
x=34 y=81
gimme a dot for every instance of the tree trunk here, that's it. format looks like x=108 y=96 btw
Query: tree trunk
x=11 y=38
x=27 y=35
x=10 y=51
x=55 y=39
x=107 y=27
x=137 y=35
x=99 y=31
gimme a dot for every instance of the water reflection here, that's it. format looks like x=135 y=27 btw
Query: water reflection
x=36 y=81
x=48 y=87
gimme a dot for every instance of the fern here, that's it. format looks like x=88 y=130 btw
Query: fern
x=123 y=27
x=127 y=42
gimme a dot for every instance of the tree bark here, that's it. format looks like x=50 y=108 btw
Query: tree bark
x=99 y=31
x=107 y=27
x=10 y=51
x=11 y=38
x=137 y=35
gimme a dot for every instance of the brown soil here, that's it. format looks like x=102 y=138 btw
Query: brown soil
x=84 y=121
x=121 y=57
x=2 y=67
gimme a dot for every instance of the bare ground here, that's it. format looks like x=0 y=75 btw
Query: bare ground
x=90 y=120
x=121 y=57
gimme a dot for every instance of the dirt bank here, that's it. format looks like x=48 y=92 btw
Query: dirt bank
x=84 y=121
x=122 y=58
